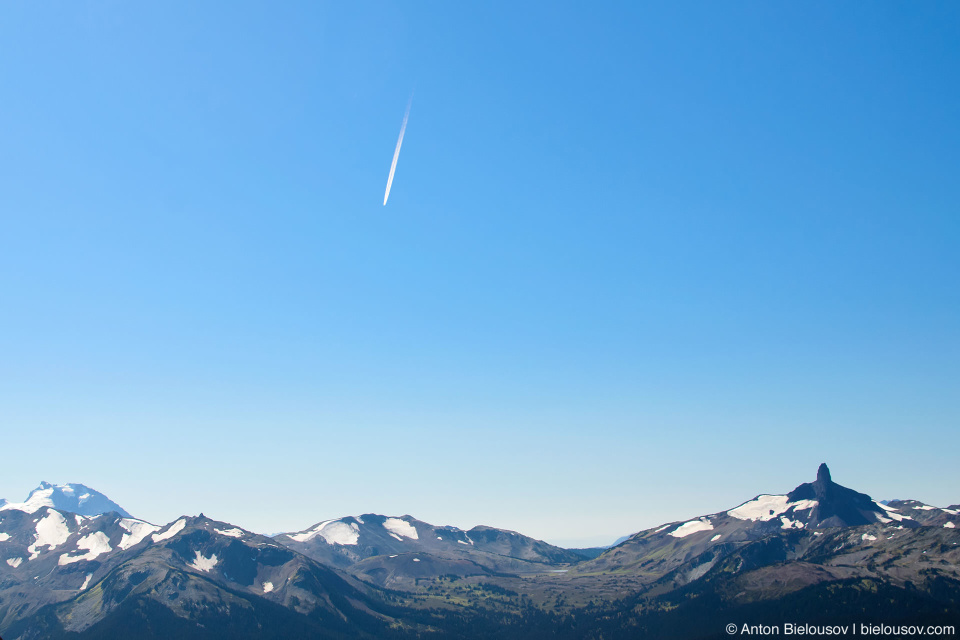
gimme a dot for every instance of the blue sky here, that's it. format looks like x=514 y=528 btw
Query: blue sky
x=640 y=262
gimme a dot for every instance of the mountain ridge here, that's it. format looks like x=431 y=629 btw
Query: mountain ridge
x=64 y=574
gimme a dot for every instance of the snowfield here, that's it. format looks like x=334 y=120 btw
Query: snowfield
x=401 y=528
x=52 y=531
x=174 y=529
x=37 y=500
x=767 y=507
x=309 y=534
x=137 y=531
x=96 y=544
x=694 y=526
x=341 y=533
x=332 y=532
x=203 y=564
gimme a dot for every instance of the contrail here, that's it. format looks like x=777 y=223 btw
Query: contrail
x=396 y=152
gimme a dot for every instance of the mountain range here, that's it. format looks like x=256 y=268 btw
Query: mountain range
x=73 y=564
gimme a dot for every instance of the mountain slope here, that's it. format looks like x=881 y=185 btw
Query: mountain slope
x=815 y=506
x=370 y=545
x=230 y=581
x=49 y=555
x=924 y=514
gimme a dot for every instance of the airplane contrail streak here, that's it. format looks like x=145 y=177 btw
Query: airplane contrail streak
x=396 y=152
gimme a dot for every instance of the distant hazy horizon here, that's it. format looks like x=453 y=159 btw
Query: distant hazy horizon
x=639 y=262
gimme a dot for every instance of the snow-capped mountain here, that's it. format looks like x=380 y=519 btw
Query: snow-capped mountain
x=74 y=498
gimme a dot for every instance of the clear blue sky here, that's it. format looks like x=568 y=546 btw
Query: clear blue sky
x=640 y=261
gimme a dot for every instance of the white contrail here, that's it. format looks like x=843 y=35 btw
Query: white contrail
x=396 y=152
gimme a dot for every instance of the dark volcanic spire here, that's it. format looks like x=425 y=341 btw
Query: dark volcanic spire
x=823 y=487
x=836 y=505
x=823 y=473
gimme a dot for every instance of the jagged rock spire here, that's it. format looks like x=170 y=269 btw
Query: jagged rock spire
x=823 y=473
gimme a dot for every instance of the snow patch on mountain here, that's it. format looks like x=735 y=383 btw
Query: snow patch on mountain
x=137 y=531
x=86 y=582
x=949 y=525
x=95 y=544
x=200 y=563
x=694 y=526
x=341 y=533
x=267 y=587
x=232 y=533
x=309 y=534
x=892 y=513
x=401 y=528
x=174 y=529
x=4 y=537
x=14 y=562
x=767 y=507
x=52 y=531
x=332 y=532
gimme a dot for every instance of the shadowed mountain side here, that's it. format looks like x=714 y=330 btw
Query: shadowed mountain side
x=837 y=506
